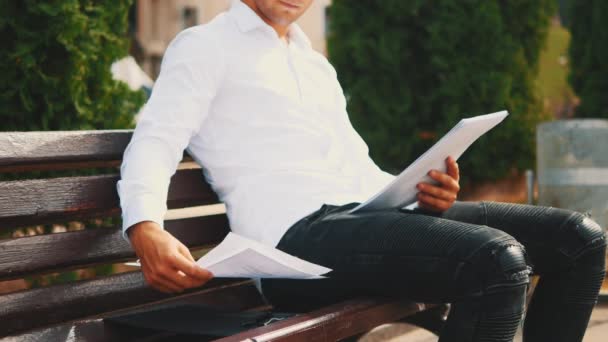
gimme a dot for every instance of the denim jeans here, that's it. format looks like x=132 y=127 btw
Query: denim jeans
x=477 y=256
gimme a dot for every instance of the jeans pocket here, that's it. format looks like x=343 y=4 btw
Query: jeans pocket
x=317 y=213
x=304 y=222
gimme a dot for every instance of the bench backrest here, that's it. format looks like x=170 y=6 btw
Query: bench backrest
x=43 y=201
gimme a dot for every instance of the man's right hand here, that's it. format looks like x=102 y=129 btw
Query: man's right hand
x=166 y=263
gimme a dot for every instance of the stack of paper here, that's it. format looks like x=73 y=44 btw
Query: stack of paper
x=239 y=257
x=402 y=190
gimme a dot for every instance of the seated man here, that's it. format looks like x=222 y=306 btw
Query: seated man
x=265 y=117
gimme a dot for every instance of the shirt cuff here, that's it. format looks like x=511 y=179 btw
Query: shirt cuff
x=143 y=208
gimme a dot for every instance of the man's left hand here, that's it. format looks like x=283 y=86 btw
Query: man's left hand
x=439 y=198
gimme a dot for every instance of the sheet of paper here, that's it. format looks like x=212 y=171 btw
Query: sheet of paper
x=402 y=190
x=239 y=257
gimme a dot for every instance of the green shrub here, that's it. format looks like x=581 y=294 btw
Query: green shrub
x=588 y=55
x=55 y=64
x=412 y=69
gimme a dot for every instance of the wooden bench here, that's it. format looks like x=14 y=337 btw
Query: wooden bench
x=75 y=310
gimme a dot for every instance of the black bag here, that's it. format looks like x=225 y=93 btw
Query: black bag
x=190 y=319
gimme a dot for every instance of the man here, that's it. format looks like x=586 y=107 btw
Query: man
x=265 y=117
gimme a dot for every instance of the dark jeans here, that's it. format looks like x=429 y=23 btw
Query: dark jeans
x=476 y=256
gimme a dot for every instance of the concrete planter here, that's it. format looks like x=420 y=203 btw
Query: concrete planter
x=572 y=166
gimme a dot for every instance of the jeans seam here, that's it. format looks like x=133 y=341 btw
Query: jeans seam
x=591 y=246
x=485 y=212
x=498 y=238
x=582 y=250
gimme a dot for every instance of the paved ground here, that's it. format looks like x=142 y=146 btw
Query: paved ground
x=597 y=330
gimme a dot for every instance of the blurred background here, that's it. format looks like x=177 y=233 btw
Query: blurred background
x=410 y=70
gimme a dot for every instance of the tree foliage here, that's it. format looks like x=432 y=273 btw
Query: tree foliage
x=588 y=55
x=55 y=64
x=412 y=69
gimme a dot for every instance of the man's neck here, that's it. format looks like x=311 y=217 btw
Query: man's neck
x=281 y=30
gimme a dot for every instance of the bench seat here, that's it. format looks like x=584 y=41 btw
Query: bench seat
x=57 y=177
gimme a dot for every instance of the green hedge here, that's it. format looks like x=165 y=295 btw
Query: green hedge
x=55 y=65
x=412 y=69
x=589 y=56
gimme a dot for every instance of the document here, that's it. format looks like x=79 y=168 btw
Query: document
x=401 y=192
x=240 y=257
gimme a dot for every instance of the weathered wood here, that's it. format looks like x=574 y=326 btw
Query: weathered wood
x=63 y=150
x=21 y=311
x=70 y=165
x=55 y=252
x=332 y=323
x=60 y=166
x=93 y=329
x=49 y=200
x=37 y=149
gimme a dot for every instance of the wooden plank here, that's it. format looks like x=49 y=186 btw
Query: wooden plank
x=41 y=307
x=50 y=166
x=332 y=323
x=63 y=199
x=62 y=251
x=23 y=149
x=61 y=150
x=94 y=330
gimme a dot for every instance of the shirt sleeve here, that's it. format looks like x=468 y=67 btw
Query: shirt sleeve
x=372 y=176
x=177 y=108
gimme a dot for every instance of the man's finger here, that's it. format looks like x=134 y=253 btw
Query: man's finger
x=190 y=268
x=445 y=180
x=158 y=280
x=436 y=191
x=193 y=282
x=186 y=252
x=182 y=280
x=169 y=279
x=452 y=168
x=433 y=202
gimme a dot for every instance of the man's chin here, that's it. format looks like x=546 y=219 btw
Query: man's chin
x=283 y=21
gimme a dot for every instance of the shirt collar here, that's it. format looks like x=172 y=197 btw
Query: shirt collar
x=247 y=20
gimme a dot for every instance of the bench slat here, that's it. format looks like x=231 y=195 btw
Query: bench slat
x=63 y=150
x=55 y=252
x=370 y=315
x=21 y=311
x=85 y=330
x=34 y=150
x=63 y=199
x=332 y=323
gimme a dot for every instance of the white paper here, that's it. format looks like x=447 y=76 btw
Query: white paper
x=239 y=257
x=402 y=190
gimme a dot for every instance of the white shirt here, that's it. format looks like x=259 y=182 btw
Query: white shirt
x=265 y=119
